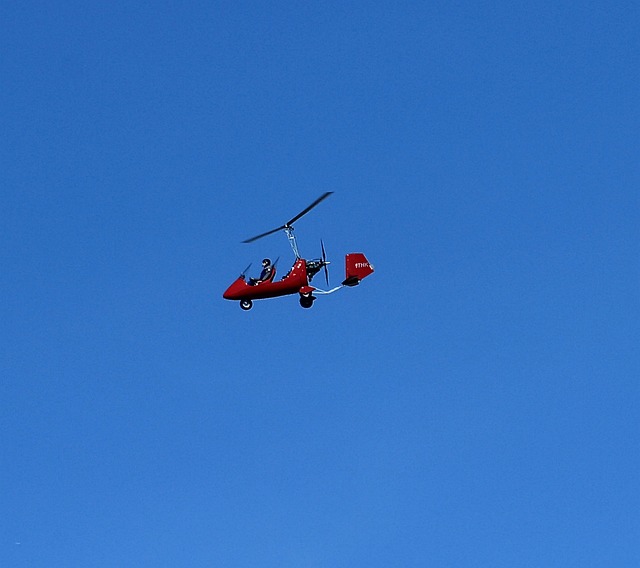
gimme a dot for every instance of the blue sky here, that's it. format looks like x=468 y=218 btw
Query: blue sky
x=472 y=403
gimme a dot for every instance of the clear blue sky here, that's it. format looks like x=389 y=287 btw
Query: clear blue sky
x=475 y=402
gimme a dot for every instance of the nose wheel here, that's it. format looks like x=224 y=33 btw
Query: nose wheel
x=246 y=304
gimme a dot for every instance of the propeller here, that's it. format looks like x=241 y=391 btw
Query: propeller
x=291 y=221
x=324 y=263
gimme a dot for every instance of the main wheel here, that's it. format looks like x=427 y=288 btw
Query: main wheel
x=246 y=304
x=306 y=302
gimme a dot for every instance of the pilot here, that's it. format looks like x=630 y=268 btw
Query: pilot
x=266 y=274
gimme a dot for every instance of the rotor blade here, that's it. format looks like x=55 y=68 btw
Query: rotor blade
x=323 y=196
x=264 y=234
x=291 y=221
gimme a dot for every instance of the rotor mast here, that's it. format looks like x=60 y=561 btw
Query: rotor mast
x=292 y=241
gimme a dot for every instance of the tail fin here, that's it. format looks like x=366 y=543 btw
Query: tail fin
x=357 y=268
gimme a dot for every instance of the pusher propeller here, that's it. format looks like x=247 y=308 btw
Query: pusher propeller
x=324 y=263
x=314 y=266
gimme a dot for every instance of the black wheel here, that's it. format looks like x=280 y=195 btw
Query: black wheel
x=246 y=304
x=306 y=302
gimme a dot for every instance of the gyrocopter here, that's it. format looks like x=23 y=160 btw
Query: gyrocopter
x=298 y=279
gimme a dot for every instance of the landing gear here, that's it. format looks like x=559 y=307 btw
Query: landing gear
x=246 y=304
x=306 y=301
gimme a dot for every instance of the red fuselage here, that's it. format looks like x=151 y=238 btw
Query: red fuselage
x=292 y=283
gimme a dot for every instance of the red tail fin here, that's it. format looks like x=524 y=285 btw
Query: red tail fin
x=357 y=268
